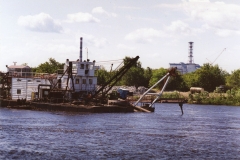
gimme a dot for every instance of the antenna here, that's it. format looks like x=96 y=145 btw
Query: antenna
x=87 y=52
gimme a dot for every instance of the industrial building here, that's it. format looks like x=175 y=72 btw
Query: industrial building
x=187 y=67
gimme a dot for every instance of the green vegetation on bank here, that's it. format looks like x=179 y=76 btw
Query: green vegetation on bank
x=231 y=97
x=208 y=77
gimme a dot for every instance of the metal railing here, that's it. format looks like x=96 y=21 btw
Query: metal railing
x=31 y=75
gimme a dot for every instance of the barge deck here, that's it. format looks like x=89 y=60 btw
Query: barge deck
x=69 y=107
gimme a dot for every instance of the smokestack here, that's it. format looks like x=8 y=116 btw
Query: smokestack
x=190 y=56
x=80 y=49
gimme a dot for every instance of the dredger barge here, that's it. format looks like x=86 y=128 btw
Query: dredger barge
x=72 y=89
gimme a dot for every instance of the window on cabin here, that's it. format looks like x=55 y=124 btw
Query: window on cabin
x=77 y=81
x=84 y=81
x=74 y=66
x=18 y=91
x=46 y=93
x=87 y=66
x=90 y=67
x=82 y=66
x=64 y=80
x=90 y=81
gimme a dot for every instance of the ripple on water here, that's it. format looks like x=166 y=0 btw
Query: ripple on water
x=203 y=132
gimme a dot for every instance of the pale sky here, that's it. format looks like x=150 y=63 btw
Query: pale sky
x=32 y=31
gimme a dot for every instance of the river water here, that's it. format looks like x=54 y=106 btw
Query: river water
x=203 y=132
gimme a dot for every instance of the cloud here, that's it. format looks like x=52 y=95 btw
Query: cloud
x=180 y=27
x=217 y=15
x=198 y=0
x=144 y=35
x=94 y=41
x=100 y=10
x=55 y=49
x=123 y=46
x=41 y=23
x=226 y=32
x=129 y=7
x=222 y=18
x=81 y=17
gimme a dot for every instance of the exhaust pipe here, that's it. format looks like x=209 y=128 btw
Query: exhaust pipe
x=80 y=49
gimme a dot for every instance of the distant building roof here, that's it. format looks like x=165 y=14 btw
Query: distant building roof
x=18 y=66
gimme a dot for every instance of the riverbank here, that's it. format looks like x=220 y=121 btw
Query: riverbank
x=230 y=98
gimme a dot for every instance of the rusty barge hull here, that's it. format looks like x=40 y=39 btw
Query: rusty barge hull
x=66 y=107
x=81 y=108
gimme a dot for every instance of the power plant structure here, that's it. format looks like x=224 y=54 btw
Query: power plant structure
x=187 y=67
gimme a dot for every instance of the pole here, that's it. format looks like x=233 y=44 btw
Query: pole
x=26 y=84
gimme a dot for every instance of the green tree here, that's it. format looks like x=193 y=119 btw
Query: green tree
x=177 y=83
x=24 y=64
x=134 y=76
x=157 y=74
x=34 y=69
x=190 y=80
x=233 y=80
x=49 y=67
x=209 y=77
x=147 y=76
x=102 y=75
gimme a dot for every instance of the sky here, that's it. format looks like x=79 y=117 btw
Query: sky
x=158 y=31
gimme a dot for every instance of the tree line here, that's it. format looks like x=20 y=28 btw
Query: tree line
x=208 y=76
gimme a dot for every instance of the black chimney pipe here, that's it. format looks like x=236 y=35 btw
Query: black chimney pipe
x=81 y=49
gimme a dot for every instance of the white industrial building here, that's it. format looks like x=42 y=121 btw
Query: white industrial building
x=187 y=67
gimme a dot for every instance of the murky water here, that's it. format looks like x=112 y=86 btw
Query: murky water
x=203 y=132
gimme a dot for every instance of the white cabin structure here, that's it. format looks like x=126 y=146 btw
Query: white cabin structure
x=24 y=82
x=83 y=75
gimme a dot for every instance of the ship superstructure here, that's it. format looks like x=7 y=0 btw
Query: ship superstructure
x=79 y=76
x=76 y=78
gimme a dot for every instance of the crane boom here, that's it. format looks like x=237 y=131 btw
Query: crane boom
x=113 y=80
x=218 y=55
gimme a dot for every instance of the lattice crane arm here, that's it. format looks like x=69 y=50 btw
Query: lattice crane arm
x=219 y=55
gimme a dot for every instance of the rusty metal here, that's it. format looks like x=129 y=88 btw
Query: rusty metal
x=5 y=81
x=70 y=76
